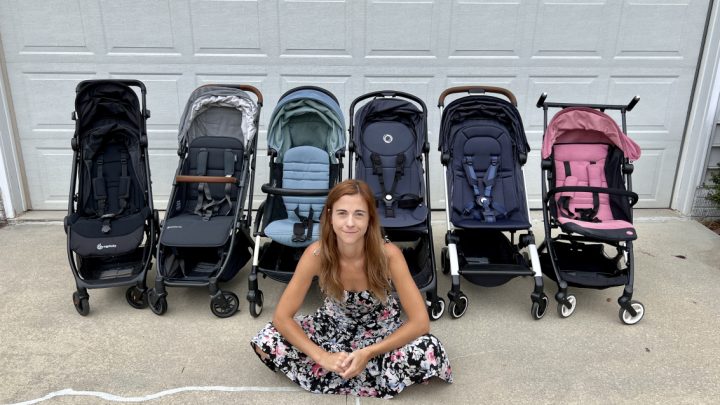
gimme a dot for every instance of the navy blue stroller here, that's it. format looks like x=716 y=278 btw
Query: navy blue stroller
x=483 y=149
x=388 y=137
x=306 y=144
x=111 y=225
x=205 y=237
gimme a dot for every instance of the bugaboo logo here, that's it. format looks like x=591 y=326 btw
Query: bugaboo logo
x=100 y=246
x=387 y=138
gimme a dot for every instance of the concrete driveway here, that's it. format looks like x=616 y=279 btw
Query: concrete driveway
x=50 y=354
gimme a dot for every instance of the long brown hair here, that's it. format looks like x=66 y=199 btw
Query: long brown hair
x=376 y=262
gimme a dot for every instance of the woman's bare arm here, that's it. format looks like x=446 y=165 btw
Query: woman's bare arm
x=289 y=304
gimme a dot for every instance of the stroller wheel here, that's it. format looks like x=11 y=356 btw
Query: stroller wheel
x=627 y=318
x=445 y=260
x=538 y=308
x=436 y=309
x=157 y=304
x=459 y=306
x=563 y=310
x=82 y=305
x=136 y=297
x=256 y=306
x=225 y=308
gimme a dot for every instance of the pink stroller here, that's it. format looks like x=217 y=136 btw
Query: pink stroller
x=587 y=194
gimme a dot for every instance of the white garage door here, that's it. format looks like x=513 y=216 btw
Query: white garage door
x=591 y=51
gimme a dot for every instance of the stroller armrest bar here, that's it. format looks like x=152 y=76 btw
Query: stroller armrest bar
x=205 y=179
x=294 y=192
x=601 y=190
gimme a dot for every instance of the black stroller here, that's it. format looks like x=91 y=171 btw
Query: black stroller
x=306 y=144
x=205 y=236
x=587 y=194
x=111 y=225
x=483 y=149
x=389 y=141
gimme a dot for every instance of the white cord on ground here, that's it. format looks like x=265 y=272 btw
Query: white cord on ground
x=116 y=398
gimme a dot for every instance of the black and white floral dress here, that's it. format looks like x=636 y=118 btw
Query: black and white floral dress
x=357 y=322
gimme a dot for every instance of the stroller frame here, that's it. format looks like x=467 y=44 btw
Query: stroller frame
x=223 y=304
x=111 y=276
x=631 y=311
x=435 y=305
x=484 y=268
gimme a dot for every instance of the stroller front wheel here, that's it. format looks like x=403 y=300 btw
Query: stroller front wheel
x=538 y=308
x=82 y=304
x=567 y=308
x=256 y=306
x=158 y=304
x=628 y=318
x=436 y=309
x=459 y=306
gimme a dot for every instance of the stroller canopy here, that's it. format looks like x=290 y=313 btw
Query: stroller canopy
x=587 y=125
x=396 y=110
x=218 y=110
x=481 y=108
x=307 y=117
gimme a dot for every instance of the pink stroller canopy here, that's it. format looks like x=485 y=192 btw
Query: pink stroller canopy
x=587 y=125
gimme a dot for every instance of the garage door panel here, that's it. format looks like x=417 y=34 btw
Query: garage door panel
x=654 y=173
x=469 y=38
x=49 y=98
x=572 y=29
x=166 y=97
x=383 y=26
x=215 y=28
x=48 y=176
x=302 y=34
x=657 y=29
x=152 y=27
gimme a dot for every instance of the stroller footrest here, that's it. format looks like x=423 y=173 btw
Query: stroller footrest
x=495 y=269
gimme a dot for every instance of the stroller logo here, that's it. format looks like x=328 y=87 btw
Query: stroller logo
x=100 y=246
x=387 y=138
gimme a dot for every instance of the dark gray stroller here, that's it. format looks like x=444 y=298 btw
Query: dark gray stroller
x=205 y=237
x=388 y=137
x=306 y=144
x=483 y=147
x=111 y=225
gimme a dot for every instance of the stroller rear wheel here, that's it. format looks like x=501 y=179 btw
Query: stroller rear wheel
x=224 y=306
x=137 y=297
x=459 y=306
x=158 y=304
x=538 y=308
x=82 y=304
x=567 y=307
x=628 y=318
x=436 y=309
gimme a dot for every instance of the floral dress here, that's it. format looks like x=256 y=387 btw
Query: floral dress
x=359 y=321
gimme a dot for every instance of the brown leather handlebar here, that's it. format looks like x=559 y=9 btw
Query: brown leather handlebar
x=205 y=179
x=477 y=89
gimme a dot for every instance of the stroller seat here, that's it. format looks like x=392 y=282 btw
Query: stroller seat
x=207 y=219
x=88 y=239
x=589 y=213
x=304 y=168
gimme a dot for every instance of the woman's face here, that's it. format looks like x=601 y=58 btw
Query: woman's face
x=350 y=219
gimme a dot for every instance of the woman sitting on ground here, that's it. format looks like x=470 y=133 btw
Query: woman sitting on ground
x=355 y=343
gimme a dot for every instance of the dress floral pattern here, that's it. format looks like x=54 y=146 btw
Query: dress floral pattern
x=359 y=321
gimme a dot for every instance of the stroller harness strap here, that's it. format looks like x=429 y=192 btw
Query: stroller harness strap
x=100 y=190
x=594 y=175
x=389 y=197
x=482 y=207
x=302 y=231
x=206 y=205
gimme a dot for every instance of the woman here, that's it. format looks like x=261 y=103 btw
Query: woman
x=356 y=342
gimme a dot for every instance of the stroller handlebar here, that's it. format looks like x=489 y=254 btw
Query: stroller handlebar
x=477 y=89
